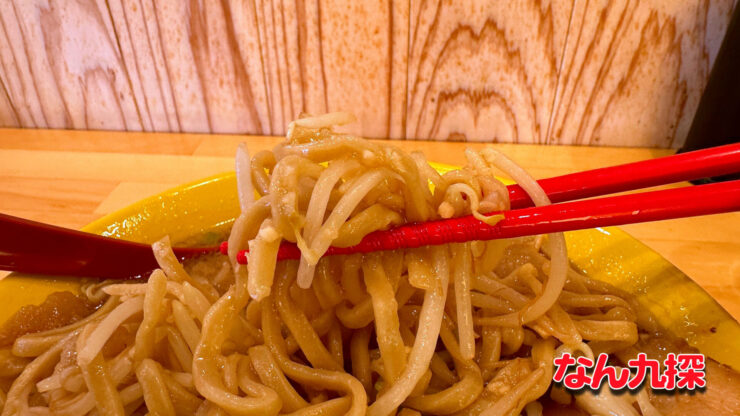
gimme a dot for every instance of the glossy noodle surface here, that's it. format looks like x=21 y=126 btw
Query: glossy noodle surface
x=461 y=329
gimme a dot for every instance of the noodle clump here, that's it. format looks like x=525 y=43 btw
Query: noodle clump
x=466 y=328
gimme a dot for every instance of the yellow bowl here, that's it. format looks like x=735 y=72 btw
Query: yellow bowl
x=207 y=208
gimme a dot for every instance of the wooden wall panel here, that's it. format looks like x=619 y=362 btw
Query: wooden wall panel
x=364 y=48
x=484 y=70
x=633 y=71
x=201 y=66
x=622 y=72
x=8 y=115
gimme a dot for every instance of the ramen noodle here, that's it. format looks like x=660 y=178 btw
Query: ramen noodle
x=468 y=328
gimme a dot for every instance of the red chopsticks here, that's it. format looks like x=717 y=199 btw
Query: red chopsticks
x=568 y=216
x=32 y=247
x=705 y=163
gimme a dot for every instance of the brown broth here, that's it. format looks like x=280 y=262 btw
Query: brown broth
x=59 y=309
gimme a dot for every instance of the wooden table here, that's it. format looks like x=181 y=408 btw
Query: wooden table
x=70 y=178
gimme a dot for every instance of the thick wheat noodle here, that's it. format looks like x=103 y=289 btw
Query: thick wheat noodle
x=335 y=380
x=284 y=191
x=229 y=372
x=330 y=229
x=186 y=325
x=506 y=404
x=195 y=301
x=417 y=197
x=456 y=397
x=179 y=348
x=351 y=280
x=646 y=407
x=320 y=324
x=608 y=330
x=567 y=332
x=317 y=208
x=299 y=325
x=335 y=340
x=270 y=375
x=139 y=289
x=468 y=328
x=262 y=400
x=16 y=401
x=175 y=271
x=326 y=288
x=182 y=378
x=559 y=267
x=245 y=228
x=262 y=257
x=360 y=355
x=582 y=300
x=375 y=217
x=338 y=406
x=495 y=288
x=154 y=388
x=441 y=371
x=490 y=351
x=425 y=169
x=605 y=403
x=467 y=190
x=455 y=177
x=358 y=316
x=95 y=371
x=384 y=306
x=94 y=343
x=260 y=162
x=78 y=405
x=459 y=395
x=243 y=168
x=246 y=225
x=490 y=303
x=156 y=290
x=463 y=267
x=430 y=320
x=183 y=399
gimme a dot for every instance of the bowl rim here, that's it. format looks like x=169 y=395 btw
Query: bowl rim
x=723 y=344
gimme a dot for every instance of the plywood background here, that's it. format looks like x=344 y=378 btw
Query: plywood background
x=622 y=72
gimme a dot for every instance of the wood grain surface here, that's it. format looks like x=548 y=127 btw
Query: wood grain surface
x=71 y=178
x=621 y=72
